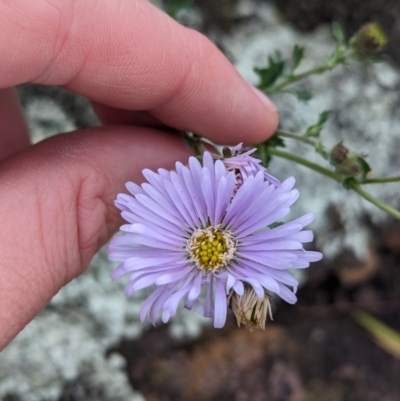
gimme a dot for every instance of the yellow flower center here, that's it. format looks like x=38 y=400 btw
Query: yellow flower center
x=211 y=248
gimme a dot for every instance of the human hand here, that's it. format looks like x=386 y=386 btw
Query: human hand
x=145 y=73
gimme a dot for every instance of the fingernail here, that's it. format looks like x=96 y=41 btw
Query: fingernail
x=264 y=99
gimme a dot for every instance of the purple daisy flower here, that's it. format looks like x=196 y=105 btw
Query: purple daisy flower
x=189 y=231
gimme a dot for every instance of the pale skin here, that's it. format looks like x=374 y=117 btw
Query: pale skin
x=146 y=76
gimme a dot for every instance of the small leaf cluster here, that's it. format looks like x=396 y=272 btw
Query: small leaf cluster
x=280 y=74
x=272 y=72
x=280 y=68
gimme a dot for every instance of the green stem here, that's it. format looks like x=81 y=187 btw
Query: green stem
x=194 y=141
x=296 y=137
x=199 y=148
x=261 y=151
x=383 y=206
x=381 y=180
x=298 y=77
x=304 y=162
x=308 y=141
x=337 y=177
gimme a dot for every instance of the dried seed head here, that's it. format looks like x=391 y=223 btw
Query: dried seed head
x=250 y=310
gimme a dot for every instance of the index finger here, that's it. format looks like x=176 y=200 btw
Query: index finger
x=128 y=54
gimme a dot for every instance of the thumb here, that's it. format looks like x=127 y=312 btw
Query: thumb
x=57 y=209
x=129 y=55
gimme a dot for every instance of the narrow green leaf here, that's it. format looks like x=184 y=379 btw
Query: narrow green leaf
x=275 y=141
x=323 y=117
x=271 y=73
x=338 y=32
x=320 y=149
x=338 y=56
x=304 y=95
x=263 y=154
x=297 y=56
x=365 y=167
x=386 y=337
x=315 y=129
x=262 y=149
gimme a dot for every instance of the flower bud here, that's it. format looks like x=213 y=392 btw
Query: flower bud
x=226 y=151
x=345 y=162
x=349 y=167
x=338 y=153
x=368 y=40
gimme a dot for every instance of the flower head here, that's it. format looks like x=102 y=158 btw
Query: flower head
x=369 y=39
x=241 y=161
x=192 y=230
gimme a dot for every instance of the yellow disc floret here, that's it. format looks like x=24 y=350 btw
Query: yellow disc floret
x=211 y=248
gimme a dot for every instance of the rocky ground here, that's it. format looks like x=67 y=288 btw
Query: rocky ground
x=88 y=344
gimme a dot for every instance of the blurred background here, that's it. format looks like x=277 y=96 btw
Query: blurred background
x=341 y=341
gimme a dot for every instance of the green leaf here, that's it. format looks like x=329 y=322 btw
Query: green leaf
x=271 y=73
x=263 y=154
x=320 y=149
x=348 y=182
x=173 y=6
x=386 y=337
x=338 y=56
x=262 y=149
x=365 y=167
x=338 y=32
x=297 y=56
x=275 y=141
x=314 y=130
x=304 y=95
x=191 y=139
